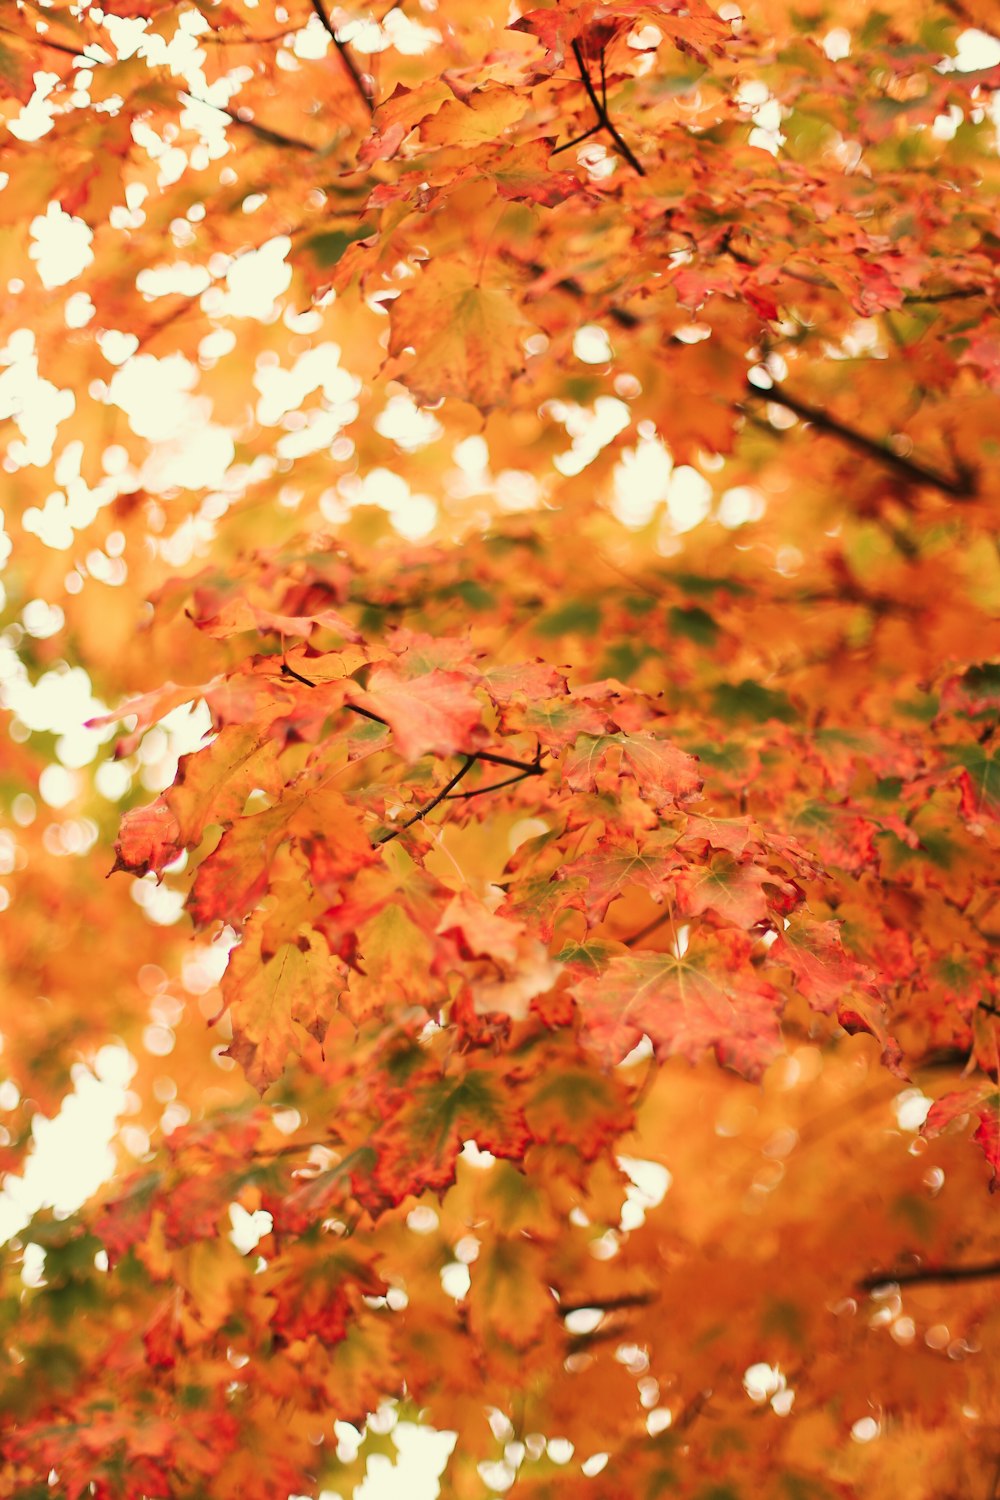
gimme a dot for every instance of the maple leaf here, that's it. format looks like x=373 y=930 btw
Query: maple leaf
x=577 y=1107
x=149 y=838
x=984 y=354
x=436 y=712
x=614 y=866
x=234 y=877
x=733 y=889
x=665 y=774
x=479 y=930
x=17 y=74
x=558 y=722
x=418 y=1145
x=525 y=176
x=479 y=119
x=709 y=998
x=693 y=27
x=975 y=692
x=824 y=972
x=392 y=964
x=468 y=338
x=525 y=681
x=125 y=1220
x=212 y=786
x=269 y=1000
x=234 y=615
x=983 y=1105
x=508 y=1299
x=980 y=782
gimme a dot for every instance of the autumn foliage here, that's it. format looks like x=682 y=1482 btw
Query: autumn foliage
x=556 y=453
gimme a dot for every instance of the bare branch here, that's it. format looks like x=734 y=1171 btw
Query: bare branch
x=650 y=927
x=959 y=487
x=263 y=132
x=493 y=786
x=601 y=110
x=957 y=294
x=931 y=1275
x=568 y=145
x=489 y=756
x=387 y=838
x=607 y=1304
x=345 y=56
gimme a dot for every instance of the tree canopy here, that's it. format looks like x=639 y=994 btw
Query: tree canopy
x=513 y=495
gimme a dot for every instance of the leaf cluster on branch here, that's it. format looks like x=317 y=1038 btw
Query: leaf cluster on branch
x=513 y=496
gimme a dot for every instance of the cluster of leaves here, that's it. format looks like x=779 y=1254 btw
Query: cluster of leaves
x=566 y=839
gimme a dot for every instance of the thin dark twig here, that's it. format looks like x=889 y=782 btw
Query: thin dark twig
x=567 y=145
x=53 y=46
x=263 y=1153
x=345 y=56
x=492 y=757
x=931 y=1275
x=287 y=671
x=607 y=1304
x=960 y=487
x=273 y=137
x=493 y=786
x=215 y=39
x=600 y=110
x=911 y=299
x=528 y=767
x=648 y=930
x=958 y=294
x=421 y=813
x=366 y=713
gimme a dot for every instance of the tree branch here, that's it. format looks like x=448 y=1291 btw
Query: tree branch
x=957 y=294
x=493 y=786
x=931 y=1275
x=607 y=1304
x=387 y=838
x=910 y=299
x=959 y=487
x=649 y=929
x=528 y=767
x=272 y=137
x=492 y=757
x=577 y=139
x=345 y=56
x=604 y=120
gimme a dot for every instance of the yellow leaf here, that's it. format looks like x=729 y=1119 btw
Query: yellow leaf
x=483 y=119
x=467 y=338
x=269 y=1001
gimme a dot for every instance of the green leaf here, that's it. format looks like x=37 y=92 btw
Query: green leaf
x=577 y=616
x=695 y=625
x=749 y=700
x=327 y=249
